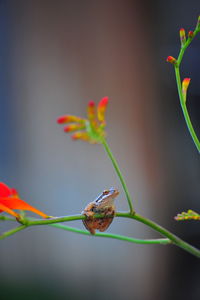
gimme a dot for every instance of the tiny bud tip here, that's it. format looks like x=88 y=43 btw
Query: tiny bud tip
x=91 y=103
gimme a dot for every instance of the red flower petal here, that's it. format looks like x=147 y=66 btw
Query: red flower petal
x=14 y=192
x=16 y=203
x=5 y=191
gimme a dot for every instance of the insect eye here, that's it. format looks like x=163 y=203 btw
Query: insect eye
x=106 y=192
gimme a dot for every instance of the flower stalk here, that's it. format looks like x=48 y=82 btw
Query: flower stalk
x=182 y=95
x=171 y=238
x=121 y=178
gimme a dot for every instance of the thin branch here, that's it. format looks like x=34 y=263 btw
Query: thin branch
x=173 y=238
x=114 y=236
x=179 y=87
x=121 y=178
x=12 y=231
x=84 y=232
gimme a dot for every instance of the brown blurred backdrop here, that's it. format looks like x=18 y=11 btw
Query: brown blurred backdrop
x=56 y=56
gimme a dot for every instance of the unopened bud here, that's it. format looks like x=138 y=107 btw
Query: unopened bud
x=68 y=119
x=74 y=127
x=102 y=108
x=190 y=34
x=182 y=36
x=171 y=60
x=185 y=85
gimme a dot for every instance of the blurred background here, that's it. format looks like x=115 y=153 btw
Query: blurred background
x=55 y=56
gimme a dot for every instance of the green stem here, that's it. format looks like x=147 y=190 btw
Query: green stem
x=173 y=238
x=179 y=86
x=121 y=178
x=114 y=236
x=12 y=231
x=5 y=218
x=185 y=111
x=176 y=240
x=30 y=222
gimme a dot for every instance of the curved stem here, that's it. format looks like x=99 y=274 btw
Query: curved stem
x=76 y=230
x=173 y=238
x=179 y=86
x=114 y=236
x=176 y=240
x=185 y=111
x=121 y=178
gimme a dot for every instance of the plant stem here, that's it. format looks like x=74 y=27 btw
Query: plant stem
x=176 y=240
x=179 y=86
x=84 y=232
x=121 y=178
x=114 y=236
x=185 y=111
x=5 y=218
x=12 y=231
x=173 y=238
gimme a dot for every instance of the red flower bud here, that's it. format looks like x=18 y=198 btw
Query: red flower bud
x=68 y=119
x=190 y=34
x=102 y=108
x=171 y=60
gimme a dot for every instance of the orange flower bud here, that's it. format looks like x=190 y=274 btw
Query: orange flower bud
x=74 y=127
x=182 y=36
x=68 y=119
x=81 y=136
x=102 y=108
x=185 y=85
x=91 y=110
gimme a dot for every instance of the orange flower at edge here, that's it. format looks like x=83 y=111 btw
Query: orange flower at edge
x=10 y=200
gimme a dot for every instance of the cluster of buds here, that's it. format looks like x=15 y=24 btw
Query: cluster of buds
x=9 y=200
x=189 y=215
x=184 y=39
x=92 y=129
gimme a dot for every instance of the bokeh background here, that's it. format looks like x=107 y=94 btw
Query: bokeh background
x=55 y=56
